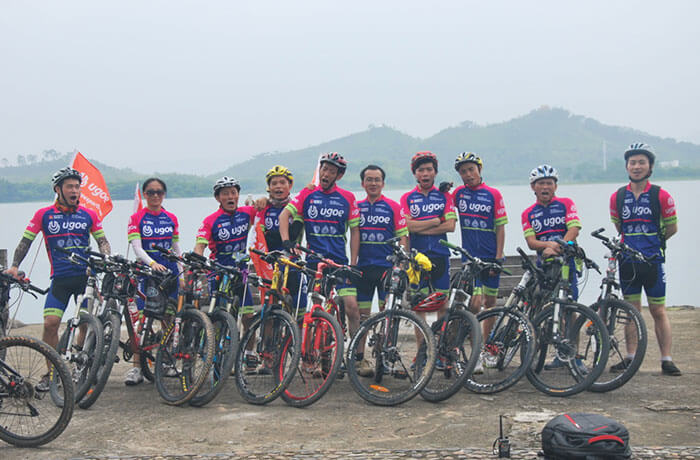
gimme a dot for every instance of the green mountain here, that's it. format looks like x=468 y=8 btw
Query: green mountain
x=572 y=143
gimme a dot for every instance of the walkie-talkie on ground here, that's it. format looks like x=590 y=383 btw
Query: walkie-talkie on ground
x=501 y=446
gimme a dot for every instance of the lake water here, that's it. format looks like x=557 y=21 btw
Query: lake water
x=591 y=199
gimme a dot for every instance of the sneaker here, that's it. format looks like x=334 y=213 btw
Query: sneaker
x=365 y=369
x=489 y=361
x=479 y=369
x=43 y=385
x=556 y=363
x=668 y=368
x=621 y=366
x=580 y=366
x=440 y=364
x=133 y=377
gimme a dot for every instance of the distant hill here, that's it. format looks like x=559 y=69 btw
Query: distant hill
x=572 y=143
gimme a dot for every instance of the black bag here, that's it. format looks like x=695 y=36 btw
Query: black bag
x=157 y=292
x=585 y=436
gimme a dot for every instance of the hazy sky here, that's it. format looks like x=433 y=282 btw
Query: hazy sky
x=198 y=86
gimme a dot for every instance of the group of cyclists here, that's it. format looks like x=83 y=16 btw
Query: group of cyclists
x=327 y=216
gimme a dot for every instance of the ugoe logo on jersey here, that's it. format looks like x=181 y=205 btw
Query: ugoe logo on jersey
x=553 y=220
x=537 y=225
x=463 y=206
x=160 y=231
x=54 y=227
x=478 y=207
x=270 y=223
x=374 y=220
x=313 y=212
x=223 y=234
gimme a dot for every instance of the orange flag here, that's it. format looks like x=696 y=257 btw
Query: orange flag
x=138 y=200
x=93 y=190
x=262 y=268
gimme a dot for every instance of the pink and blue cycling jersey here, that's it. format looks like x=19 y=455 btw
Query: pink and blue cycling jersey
x=327 y=215
x=226 y=233
x=481 y=209
x=637 y=226
x=417 y=206
x=160 y=229
x=67 y=230
x=547 y=223
x=379 y=222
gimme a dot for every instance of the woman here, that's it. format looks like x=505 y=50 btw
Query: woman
x=152 y=227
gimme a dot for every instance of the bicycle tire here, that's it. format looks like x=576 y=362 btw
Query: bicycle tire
x=85 y=362
x=149 y=348
x=392 y=365
x=111 y=326
x=261 y=384
x=583 y=343
x=457 y=353
x=618 y=313
x=184 y=357
x=512 y=342
x=225 y=349
x=319 y=361
x=30 y=368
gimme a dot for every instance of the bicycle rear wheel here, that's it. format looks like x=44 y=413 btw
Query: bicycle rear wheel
x=626 y=328
x=507 y=351
x=84 y=361
x=28 y=417
x=152 y=337
x=269 y=343
x=111 y=327
x=184 y=357
x=319 y=361
x=570 y=360
x=225 y=349
x=402 y=366
x=457 y=343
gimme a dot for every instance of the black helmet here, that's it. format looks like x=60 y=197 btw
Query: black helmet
x=66 y=173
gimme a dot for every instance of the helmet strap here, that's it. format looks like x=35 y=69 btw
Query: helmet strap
x=62 y=203
x=278 y=203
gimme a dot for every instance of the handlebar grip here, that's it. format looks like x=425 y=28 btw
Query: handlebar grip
x=194 y=256
x=31 y=287
x=96 y=254
x=255 y=251
x=160 y=249
x=522 y=253
x=597 y=234
x=506 y=271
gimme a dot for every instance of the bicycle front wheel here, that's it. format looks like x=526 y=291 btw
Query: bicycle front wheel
x=28 y=417
x=628 y=335
x=184 y=357
x=111 y=327
x=568 y=360
x=84 y=360
x=225 y=349
x=457 y=343
x=400 y=348
x=507 y=351
x=269 y=343
x=319 y=362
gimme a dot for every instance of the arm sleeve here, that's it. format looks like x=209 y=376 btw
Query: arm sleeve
x=139 y=251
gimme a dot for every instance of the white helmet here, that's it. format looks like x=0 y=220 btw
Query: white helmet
x=543 y=172
x=66 y=173
x=640 y=148
x=226 y=182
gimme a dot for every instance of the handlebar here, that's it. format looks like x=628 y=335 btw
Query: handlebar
x=484 y=265
x=23 y=283
x=617 y=247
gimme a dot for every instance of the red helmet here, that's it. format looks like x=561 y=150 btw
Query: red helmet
x=335 y=159
x=431 y=303
x=423 y=157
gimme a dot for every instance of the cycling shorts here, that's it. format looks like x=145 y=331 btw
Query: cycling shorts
x=371 y=280
x=60 y=293
x=651 y=277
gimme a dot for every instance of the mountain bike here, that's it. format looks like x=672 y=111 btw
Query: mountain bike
x=186 y=351
x=82 y=342
x=509 y=346
x=572 y=340
x=28 y=417
x=625 y=324
x=399 y=344
x=268 y=353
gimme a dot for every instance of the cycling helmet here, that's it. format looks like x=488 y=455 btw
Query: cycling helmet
x=278 y=170
x=336 y=160
x=226 y=182
x=423 y=157
x=468 y=157
x=66 y=173
x=430 y=303
x=640 y=148
x=543 y=172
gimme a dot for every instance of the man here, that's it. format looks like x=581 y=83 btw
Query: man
x=380 y=220
x=482 y=218
x=645 y=216
x=327 y=212
x=551 y=217
x=279 y=186
x=65 y=225
x=225 y=233
x=430 y=215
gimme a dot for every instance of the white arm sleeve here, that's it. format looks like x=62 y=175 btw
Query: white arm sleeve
x=140 y=253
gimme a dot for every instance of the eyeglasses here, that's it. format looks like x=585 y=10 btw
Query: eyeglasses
x=155 y=192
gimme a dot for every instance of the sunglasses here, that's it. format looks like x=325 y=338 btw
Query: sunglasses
x=155 y=192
